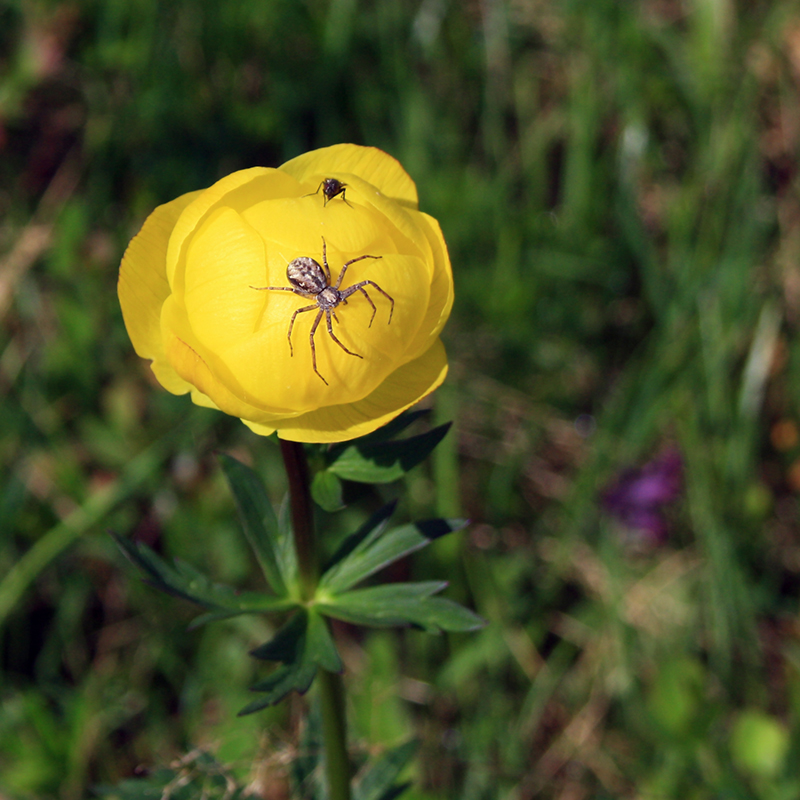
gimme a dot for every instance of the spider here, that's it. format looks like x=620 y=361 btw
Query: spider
x=331 y=187
x=309 y=280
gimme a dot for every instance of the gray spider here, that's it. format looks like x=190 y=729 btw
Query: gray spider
x=308 y=279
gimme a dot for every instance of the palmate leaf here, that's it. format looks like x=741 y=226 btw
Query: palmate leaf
x=378 y=549
x=271 y=541
x=401 y=604
x=383 y=461
x=182 y=580
x=303 y=644
x=370 y=549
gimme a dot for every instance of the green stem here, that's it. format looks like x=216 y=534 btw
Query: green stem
x=334 y=734
x=331 y=688
x=294 y=458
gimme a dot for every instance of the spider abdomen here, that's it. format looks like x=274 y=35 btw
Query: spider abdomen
x=306 y=276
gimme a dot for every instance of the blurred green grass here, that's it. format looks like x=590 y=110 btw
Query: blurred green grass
x=618 y=186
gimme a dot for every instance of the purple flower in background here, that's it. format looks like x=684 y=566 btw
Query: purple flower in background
x=638 y=497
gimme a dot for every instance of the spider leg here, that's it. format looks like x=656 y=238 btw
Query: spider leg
x=359 y=287
x=369 y=300
x=333 y=336
x=344 y=268
x=275 y=289
x=325 y=258
x=291 y=325
x=313 y=347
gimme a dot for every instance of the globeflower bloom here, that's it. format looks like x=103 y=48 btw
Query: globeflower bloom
x=205 y=295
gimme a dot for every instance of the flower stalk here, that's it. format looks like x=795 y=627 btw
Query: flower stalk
x=294 y=459
x=334 y=734
x=331 y=687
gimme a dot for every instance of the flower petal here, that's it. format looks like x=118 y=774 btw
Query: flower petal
x=191 y=366
x=371 y=164
x=239 y=190
x=404 y=387
x=203 y=369
x=143 y=288
x=298 y=225
x=441 y=288
x=227 y=258
x=199 y=399
x=402 y=219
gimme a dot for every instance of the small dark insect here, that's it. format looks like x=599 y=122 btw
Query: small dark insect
x=331 y=187
x=309 y=280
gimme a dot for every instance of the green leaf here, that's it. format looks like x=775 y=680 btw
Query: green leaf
x=321 y=645
x=326 y=489
x=288 y=643
x=401 y=604
x=303 y=644
x=366 y=534
x=271 y=544
x=396 y=426
x=388 y=431
x=440 y=614
x=183 y=580
x=379 y=550
x=380 y=606
x=384 y=462
x=378 y=780
x=289 y=677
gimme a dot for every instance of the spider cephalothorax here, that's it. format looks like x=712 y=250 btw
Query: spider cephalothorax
x=309 y=279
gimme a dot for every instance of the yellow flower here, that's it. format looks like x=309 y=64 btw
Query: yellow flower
x=188 y=287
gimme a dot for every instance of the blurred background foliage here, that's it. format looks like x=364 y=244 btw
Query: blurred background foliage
x=618 y=184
